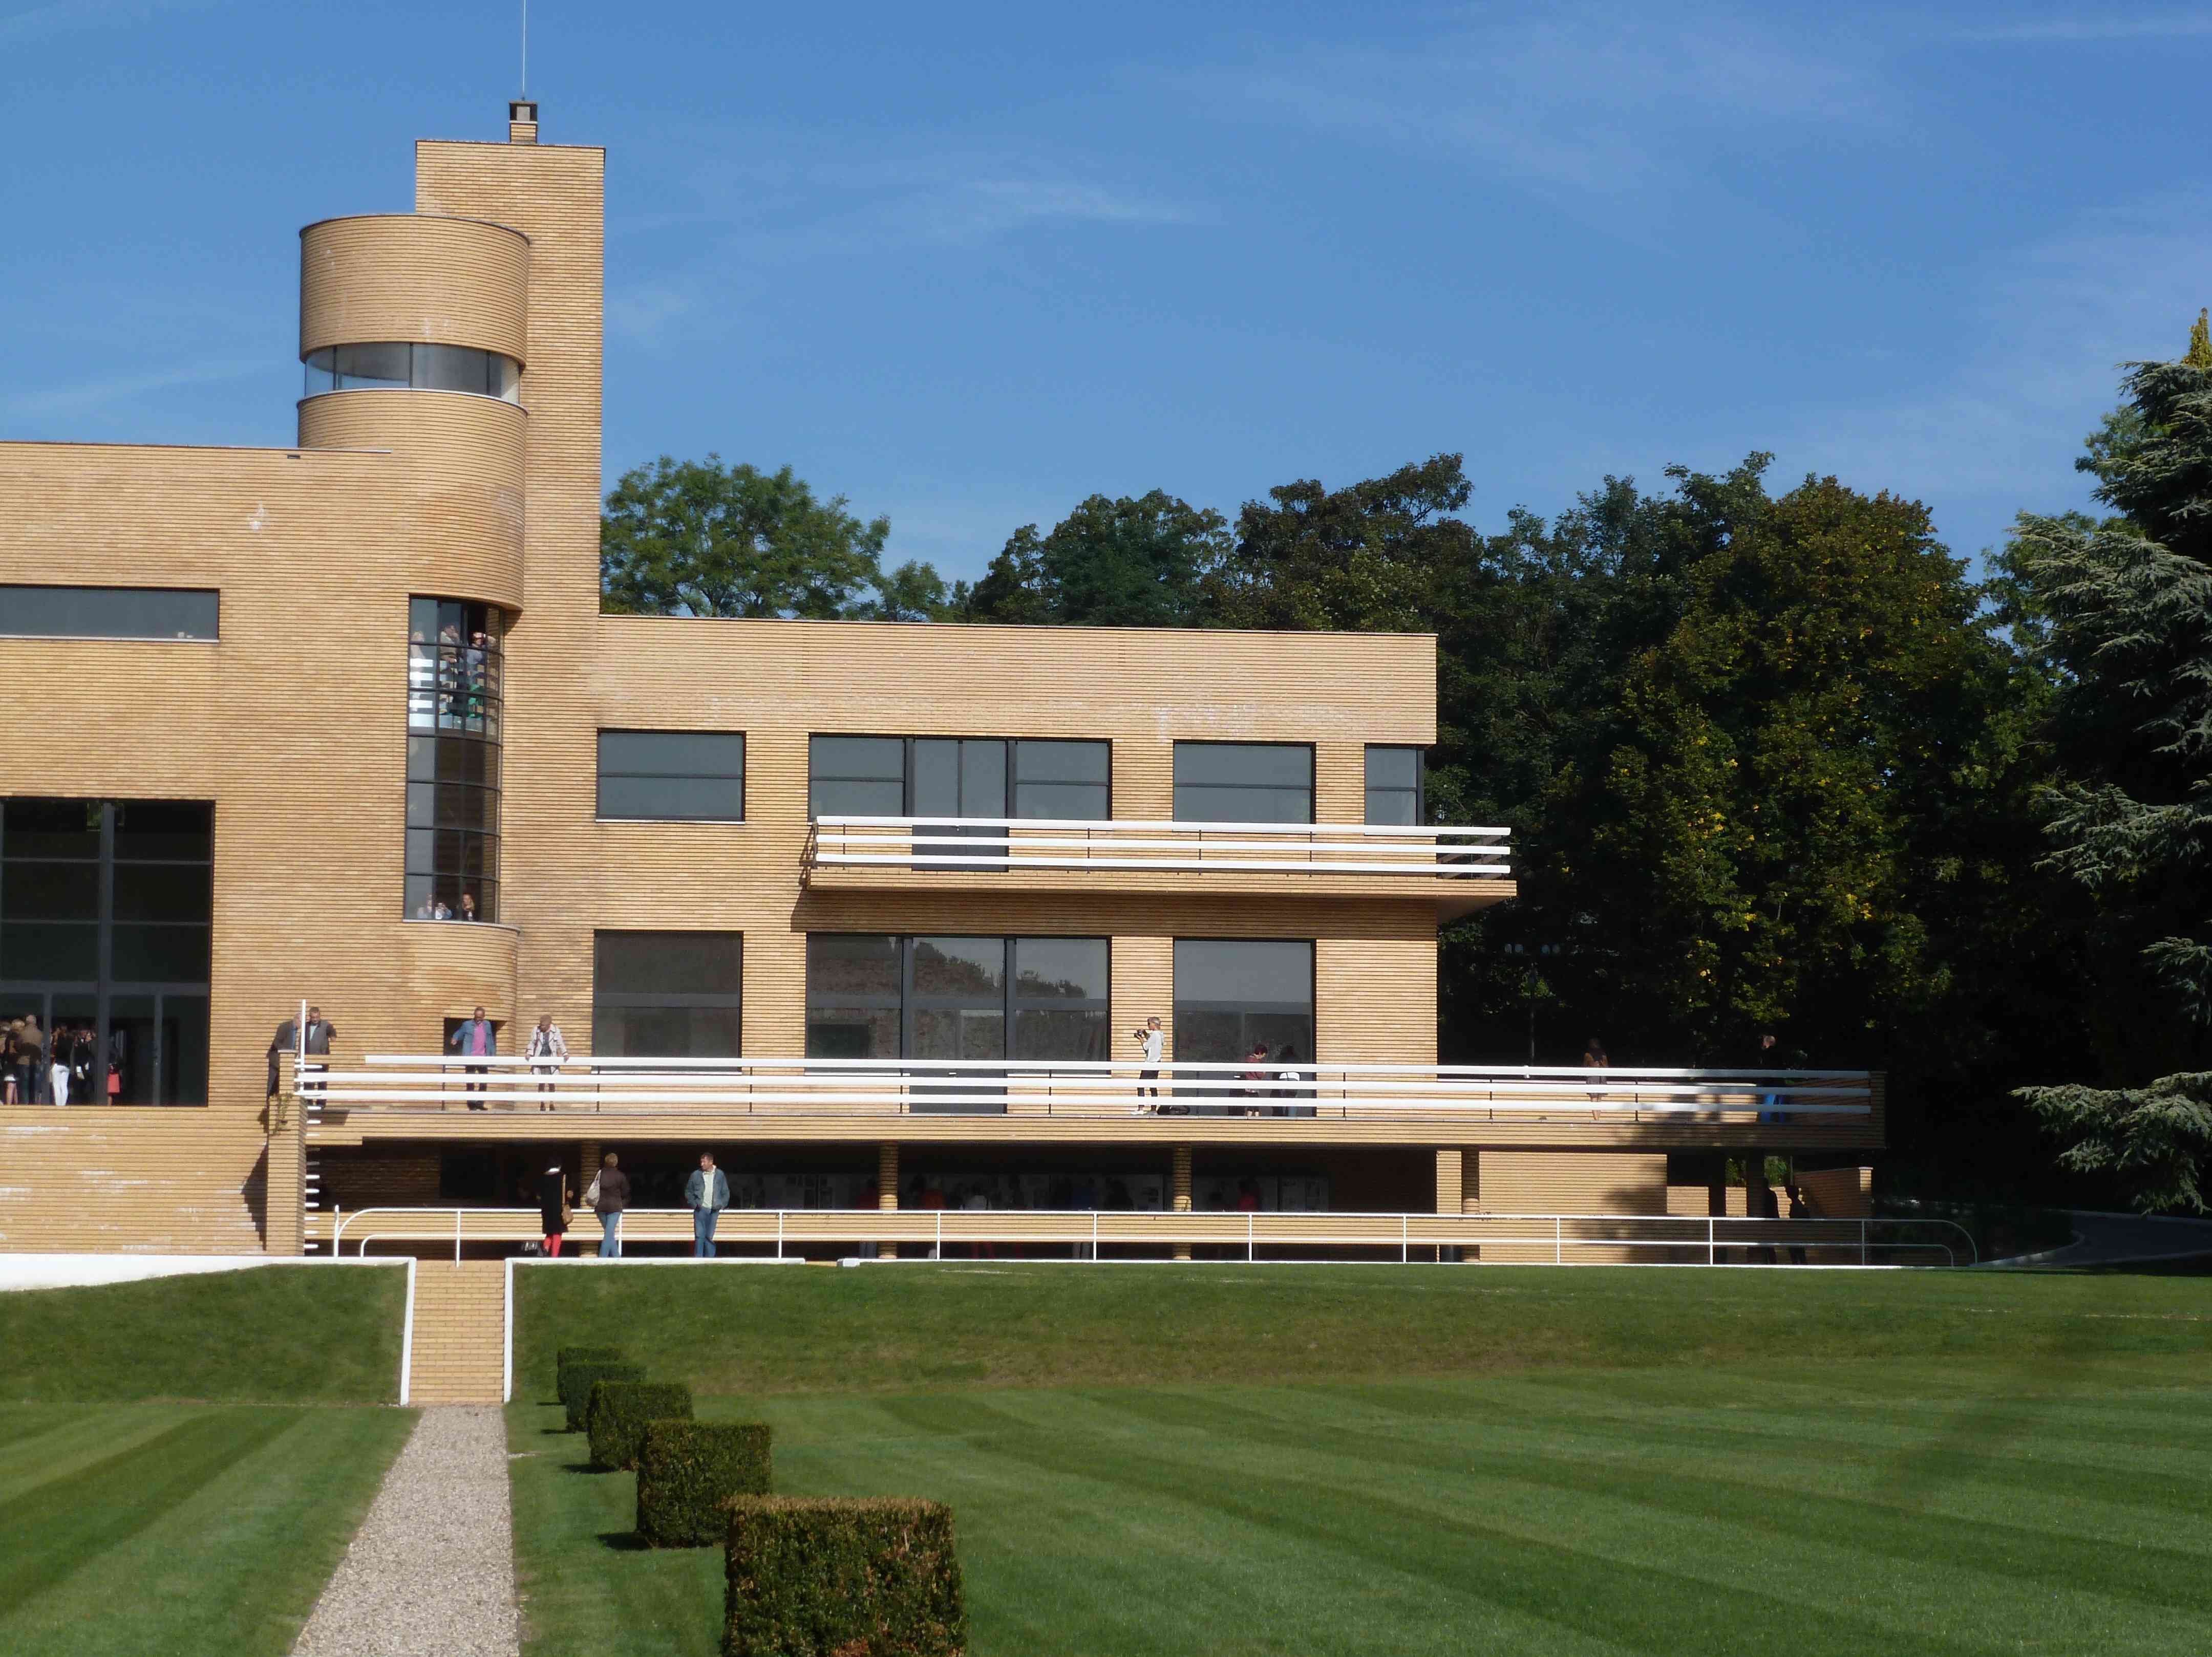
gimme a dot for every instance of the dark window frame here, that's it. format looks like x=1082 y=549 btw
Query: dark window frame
x=456 y=698
x=906 y=1002
x=907 y=769
x=1213 y=1103
x=1419 y=791
x=104 y=988
x=601 y=773
x=12 y=605
x=667 y=1000
x=1312 y=784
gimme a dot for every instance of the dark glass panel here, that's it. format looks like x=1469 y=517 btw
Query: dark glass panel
x=960 y=1033
x=51 y=828
x=1051 y=969
x=1063 y=761
x=1241 y=764
x=422 y=804
x=164 y=891
x=131 y=1025
x=672 y=752
x=848 y=799
x=843 y=964
x=35 y=950
x=835 y=1032
x=55 y=612
x=184 y=1049
x=968 y=968
x=421 y=858
x=700 y=800
x=936 y=777
x=176 y=830
x=672 y=1032
x=450 y=368
x=1074 y=802
x=673 y=964
x=1207 y=805
x=160 y=955
x=381 y=367
x=50 y=891
x=1050 y=1033
x=1393 y=768
x=1274 y=972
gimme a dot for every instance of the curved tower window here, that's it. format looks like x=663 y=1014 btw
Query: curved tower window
x=453 y=690
x=400 y=367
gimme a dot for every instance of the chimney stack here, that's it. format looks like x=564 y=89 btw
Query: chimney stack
x=521 y=121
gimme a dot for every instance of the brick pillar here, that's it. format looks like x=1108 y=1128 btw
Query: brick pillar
x=887 y=1188
x=1179 y=1189
x=1449 y=1164
x=285 y=1197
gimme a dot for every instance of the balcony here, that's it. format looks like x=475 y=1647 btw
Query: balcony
x=413 y=1097
x=1458 y=869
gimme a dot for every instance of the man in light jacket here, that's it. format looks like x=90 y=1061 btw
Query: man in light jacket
x=707 y=1194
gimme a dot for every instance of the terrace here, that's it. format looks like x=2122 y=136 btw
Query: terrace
x=416 y=1096
x=1458 y=869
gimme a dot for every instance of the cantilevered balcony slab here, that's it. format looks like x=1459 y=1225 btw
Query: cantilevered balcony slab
x=1456 y=870
x=409 y=1098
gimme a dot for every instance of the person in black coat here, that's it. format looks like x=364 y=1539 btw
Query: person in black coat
x=553 y=1195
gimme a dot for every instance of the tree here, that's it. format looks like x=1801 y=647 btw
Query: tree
x=1769 y=821
x=913 y=592
x=1134 y=562
x=2122 y=611
x=697 y=537
x=1364 y=558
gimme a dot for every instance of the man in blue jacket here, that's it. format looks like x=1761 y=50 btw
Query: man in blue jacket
x=707 y=1194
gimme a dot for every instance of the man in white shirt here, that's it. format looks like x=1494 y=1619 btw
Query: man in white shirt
x=1150 y=1041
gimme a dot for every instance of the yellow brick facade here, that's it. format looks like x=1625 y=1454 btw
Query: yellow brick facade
x=294 y=724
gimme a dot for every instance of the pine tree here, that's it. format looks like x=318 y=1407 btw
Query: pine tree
x=2125 y=610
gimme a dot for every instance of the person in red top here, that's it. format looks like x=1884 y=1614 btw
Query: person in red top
x=1258 y=1059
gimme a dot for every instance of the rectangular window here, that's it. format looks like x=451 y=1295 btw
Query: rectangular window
x=696 y=776
x=1071 y=780
x=1244 y=1000
x=941 y=777
x=27 y=612
x=856 y=776
x=106 y=911
x=1243 y=782
x=1394 y=780
x=667 y=995
x=877 y=996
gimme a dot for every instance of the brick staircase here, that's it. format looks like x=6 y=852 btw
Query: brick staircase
x=460 y=1327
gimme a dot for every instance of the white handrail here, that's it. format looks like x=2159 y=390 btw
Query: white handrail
x=839 y=820
x=1699 y=1235
x=954 y=843
x=1075 y=1087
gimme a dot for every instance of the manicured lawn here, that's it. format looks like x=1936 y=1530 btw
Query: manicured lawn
x=129 y=1530
x=294 y=1334
x=2004 y=1466
x=756 y=1330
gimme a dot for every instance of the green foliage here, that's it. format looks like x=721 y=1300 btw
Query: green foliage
x=2124 y=614
x=842 y=1577
x=1144 y=561
x=575 y=1383
x=697 y=537
x=1365 y=558
x=274 y=1334
x=573 y=1355
x=618 y=1412
x=687 y=1470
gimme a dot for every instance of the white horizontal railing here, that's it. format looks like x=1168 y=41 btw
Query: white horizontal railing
x=1327 y=848
x=1073 y=1087
x=1522 y=1238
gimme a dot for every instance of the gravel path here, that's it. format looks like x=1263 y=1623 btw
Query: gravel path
x=431 y=1572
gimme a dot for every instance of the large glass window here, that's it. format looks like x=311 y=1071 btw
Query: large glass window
x=667 y=995
x=1234 y=995
x=1243 y=782
x=693 y=776
x=879 y=995
x=397 y=366
x=106 y=911
x=1395 y=778
x=959 y=777
x=29 y=612
x=455 y=674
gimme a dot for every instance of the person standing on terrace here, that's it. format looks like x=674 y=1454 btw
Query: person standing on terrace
x=1152 y=1041
x=609 y=1196
x=546 y=1052
x=707 y=1193
x=476 y=1039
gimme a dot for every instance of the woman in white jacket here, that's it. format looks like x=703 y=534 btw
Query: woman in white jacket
x=546 y=1053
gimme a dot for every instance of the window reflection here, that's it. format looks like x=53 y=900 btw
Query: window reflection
x=454 y=673
x=397 y=366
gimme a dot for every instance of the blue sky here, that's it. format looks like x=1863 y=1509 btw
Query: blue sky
x=966 y=264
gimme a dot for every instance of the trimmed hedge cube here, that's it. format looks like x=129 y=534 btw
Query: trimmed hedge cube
x=619 y=1411
x=578 y=1380
x=873 y=1577
x=567 y=1356
x=688 y=1469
